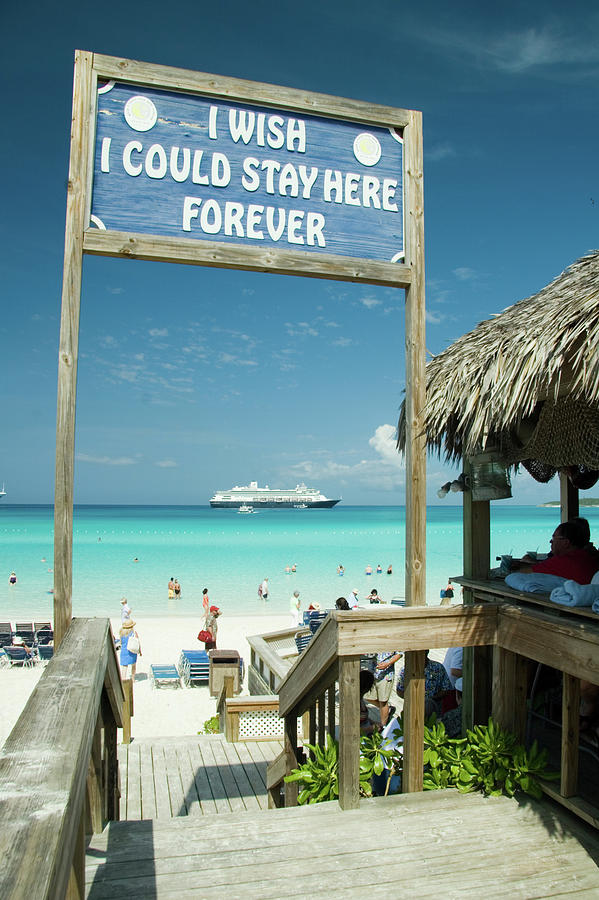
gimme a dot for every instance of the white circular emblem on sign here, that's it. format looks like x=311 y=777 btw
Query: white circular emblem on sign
x=140 y=113
x=367 y=149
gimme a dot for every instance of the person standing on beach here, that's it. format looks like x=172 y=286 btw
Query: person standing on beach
x=125 y=610
x=129 y=655
x=264 y=589
x=211 y=625
x=171 y=588
x=294 y=608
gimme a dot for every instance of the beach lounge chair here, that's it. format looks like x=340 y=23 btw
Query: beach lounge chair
x=25 y=630
x=194 y=667
x=398 y=601
x=302 y=639
x=18 y=656
x=39 y=626
x=5 y=638
x=44 y=636
x=45 y=653
x=165 y=675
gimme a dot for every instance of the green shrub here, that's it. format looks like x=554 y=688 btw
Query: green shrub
x=488 y=759
x=211 y=726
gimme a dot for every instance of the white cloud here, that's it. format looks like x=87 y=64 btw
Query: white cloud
x=434 y=317
x=441 y=151
x=158 y=332
x=115 y=290
x=385 y=471
x=301 y=329
x=106 y=460
x=166 y=464
x=370 y=302
x=464 y=273
x=342 y=342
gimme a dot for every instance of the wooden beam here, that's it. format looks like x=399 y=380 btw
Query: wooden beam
x=84 y=97
x=217 y=254
x=413 y=748
x=570 y=646
x=310 y=667
x=415 y=584
x=509 y=691
x=321 y=720
x=384 y=628
x=568 y=498
x=570 y=735
x=478 y=661
x=349 y=733
x=136 y=72
x=290 y=748
x=331 y=710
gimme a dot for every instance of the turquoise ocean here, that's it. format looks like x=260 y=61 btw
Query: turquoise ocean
x=230 y=554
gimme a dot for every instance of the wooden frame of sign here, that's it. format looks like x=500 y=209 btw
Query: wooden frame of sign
x=93 y=71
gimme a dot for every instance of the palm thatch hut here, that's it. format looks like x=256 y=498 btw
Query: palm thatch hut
x=523 y=386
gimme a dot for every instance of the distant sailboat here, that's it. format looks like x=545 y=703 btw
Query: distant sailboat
x=2 y=492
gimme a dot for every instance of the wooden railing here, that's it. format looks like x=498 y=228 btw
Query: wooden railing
x=272 y=655
x=512 y=632
x=333 y=656
x=59 y=768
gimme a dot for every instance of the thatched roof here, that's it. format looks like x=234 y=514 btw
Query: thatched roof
x=535 y=359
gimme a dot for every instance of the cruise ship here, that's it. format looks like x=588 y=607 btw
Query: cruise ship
x=300 y=496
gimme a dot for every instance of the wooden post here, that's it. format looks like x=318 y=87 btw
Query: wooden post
x=413 y=747
x=312 y=726
x=478 y=661
x=321 y=721
x=76 y=885
x=76 y=221
x=291 y=789
x=570 y=735
x=110 y=779
x=568 y=498
x=509 y=691
x=94 y=823
x=127 y=709
x=415 y=369
x=349 y=732
x=331 y=710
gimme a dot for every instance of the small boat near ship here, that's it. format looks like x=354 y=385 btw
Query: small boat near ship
x=299 y=497
x=244 y=508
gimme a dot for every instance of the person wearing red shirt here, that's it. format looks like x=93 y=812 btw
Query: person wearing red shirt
x=569 y=557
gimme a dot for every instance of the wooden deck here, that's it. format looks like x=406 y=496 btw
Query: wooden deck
x=411 y=845
x=194 y=776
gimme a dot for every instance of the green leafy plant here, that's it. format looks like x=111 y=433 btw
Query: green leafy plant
x=211 y=726
x=488 y=759
x=319 y=775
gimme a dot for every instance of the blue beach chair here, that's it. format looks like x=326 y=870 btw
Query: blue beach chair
x=302 y=639
x=194 y=667
x=165 y=675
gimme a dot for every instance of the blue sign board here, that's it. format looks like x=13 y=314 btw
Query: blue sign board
x=189 y=166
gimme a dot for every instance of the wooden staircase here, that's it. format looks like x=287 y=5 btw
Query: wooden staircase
x=407 y=845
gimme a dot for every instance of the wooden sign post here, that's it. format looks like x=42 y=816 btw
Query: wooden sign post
x=178 y=166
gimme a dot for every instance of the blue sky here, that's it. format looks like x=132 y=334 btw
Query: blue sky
x=194 y=379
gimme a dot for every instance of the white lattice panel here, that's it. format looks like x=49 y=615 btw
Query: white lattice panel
x=263 y=723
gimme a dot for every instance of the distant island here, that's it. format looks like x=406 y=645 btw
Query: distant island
x=584 y=501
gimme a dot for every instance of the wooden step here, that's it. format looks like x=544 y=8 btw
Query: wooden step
x=407 y=845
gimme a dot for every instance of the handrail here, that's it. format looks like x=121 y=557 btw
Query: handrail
x=49 y=759
x=515 y=632
x=350 y=634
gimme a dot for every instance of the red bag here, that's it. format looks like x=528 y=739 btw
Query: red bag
x=204 y=635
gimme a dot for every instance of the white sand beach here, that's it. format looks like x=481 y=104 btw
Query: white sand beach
x=162 y=712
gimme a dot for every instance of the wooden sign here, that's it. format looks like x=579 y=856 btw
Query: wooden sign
x=178 y=164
